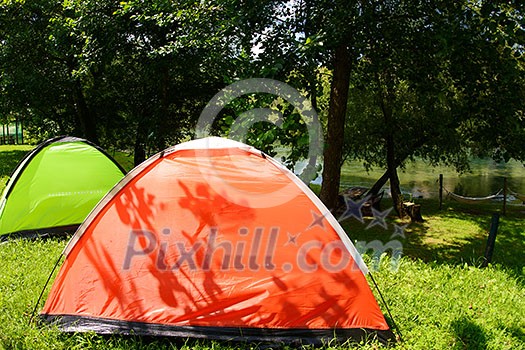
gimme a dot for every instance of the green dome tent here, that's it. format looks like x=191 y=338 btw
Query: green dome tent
x=55 y=186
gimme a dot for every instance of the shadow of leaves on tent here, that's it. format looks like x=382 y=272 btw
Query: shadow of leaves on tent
x=330 y=309
x=101 y=259
x=213 y=211
x=136 y=209
x=177 y=287
x=195 y=295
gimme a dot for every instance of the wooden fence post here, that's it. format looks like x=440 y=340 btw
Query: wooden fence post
x=491 y=240
x=440 y=191
x=504 y=195
x=16 y=130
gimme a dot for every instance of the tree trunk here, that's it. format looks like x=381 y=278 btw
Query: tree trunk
x=391 y=163
x=309 y=173
x=85 y=116
x=16 y=129
x=397 y=198
x=374 y=190
x=164 y=108
x=395 y=190
x=333 y=150
x=139 y=150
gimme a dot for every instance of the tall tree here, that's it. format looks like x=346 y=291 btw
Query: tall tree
x=423 y=98
x=34 y=71
x=333 y=151
x=108 y=71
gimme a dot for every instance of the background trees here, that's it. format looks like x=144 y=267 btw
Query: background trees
x=435 y=85
x=391 y=80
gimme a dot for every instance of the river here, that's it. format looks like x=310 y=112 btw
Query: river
x=420 y=180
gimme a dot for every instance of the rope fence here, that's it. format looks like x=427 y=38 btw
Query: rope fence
x=474 y=200
x=504 y=194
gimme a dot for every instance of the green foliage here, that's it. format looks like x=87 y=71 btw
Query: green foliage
x=438 y=83
x=135 y=75
x=436 y=79
x=130 y=75
x=283 y=132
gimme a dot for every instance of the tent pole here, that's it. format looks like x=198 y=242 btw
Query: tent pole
x=43 y=289
x=386 y=306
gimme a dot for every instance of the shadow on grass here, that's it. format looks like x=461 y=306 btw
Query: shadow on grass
x=515 y=332
x=449 y=238
x=9 y=160
x=469 y=335
x=457 y=234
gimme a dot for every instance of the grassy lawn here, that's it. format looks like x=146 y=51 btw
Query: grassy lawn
x=439 y=295
x=124 y=159
x=455 y=235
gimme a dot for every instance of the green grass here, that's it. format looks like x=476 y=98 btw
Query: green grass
x=439 y=295
x=124 y=159
x=454 y=235
x=435 y=305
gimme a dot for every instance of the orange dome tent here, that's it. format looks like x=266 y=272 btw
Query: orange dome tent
x=212 y=238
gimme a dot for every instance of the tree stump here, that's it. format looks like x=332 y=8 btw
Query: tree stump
x=357 y=194
x=414 y=211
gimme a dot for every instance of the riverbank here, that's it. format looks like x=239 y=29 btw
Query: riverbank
x=420 y=180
